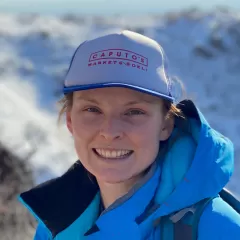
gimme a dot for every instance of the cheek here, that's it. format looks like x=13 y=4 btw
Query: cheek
x=83 y=133
x=149 y=133
x=147 y=141
x=83 y=126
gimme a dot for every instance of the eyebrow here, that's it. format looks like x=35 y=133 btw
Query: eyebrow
x=127 y=104
x=140 y=101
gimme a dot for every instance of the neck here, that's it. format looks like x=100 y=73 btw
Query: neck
x=110 y=192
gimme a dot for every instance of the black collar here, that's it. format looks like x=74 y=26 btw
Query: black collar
x=68 y=196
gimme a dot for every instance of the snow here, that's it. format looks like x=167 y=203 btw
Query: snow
x=203 y=51
x=29 y=131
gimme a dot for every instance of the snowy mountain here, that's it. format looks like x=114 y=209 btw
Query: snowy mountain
x=203 y=51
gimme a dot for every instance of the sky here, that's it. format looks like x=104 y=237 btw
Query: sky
x=107 y=7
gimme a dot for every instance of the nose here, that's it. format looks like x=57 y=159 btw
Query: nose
x=111 y=129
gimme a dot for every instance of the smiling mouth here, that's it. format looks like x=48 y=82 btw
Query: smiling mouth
x=112 y=154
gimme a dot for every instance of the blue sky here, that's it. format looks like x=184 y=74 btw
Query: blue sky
x=108 y=6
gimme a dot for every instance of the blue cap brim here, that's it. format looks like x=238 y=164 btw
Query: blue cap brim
x=70 y=89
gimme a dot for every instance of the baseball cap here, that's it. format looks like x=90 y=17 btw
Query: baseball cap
x=120 y=59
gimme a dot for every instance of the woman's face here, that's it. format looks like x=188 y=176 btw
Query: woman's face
x=117 y=131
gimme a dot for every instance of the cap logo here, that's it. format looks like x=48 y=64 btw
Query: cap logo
x=119 y=57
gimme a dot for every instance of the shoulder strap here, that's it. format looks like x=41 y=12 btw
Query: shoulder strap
x=183 y=224
x=187 y=229
x=231 y=199
x=167 y=228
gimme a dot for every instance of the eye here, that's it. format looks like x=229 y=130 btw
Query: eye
x=92 y=109
x=134 y=112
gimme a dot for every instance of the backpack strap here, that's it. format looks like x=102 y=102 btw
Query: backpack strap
x=231 y=199
x=183 y=231
x=183 y=224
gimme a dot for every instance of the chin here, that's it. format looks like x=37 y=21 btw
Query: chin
x=116 y=176
x=113 y=177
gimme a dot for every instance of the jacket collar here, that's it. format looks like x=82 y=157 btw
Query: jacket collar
x=68 y=196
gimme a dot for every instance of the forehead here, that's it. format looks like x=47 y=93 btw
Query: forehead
x=116 y=93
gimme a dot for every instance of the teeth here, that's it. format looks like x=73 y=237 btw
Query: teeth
x=113 y=153
x=119 y=153
x=107 y=154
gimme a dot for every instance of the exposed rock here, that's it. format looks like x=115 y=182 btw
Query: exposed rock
x=15 y=221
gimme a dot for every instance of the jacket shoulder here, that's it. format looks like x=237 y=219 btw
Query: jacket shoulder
x=219 y=221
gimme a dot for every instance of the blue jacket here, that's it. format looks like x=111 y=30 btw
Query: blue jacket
x=198 y=165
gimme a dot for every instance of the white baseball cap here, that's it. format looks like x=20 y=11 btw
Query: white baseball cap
x=120 y=59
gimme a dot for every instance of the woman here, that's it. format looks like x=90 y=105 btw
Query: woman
x=145 y=164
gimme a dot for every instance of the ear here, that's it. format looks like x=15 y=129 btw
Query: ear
x=69 y=121
x=167 y=128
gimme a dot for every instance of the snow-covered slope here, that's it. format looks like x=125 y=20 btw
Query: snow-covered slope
x=203 y=51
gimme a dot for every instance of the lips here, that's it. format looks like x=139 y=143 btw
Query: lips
x=113 y=154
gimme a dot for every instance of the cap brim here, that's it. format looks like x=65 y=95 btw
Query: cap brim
x=103 y=85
